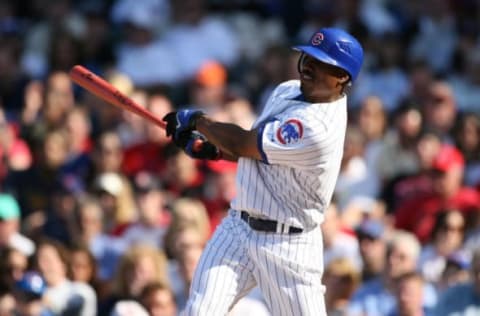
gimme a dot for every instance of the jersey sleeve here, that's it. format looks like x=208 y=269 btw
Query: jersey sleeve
x=293 y=140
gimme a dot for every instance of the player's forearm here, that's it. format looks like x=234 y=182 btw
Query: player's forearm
x=231 y=139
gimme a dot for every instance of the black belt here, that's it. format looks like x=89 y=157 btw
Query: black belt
x=266 y=225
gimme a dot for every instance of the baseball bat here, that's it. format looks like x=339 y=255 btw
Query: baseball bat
x=105 y=91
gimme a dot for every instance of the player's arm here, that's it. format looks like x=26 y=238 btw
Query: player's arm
x=231 y=139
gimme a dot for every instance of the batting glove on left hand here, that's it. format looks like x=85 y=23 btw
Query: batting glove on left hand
x=181 y=121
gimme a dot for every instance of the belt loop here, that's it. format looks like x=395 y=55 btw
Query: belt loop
x=286 y=228
x=279 y=228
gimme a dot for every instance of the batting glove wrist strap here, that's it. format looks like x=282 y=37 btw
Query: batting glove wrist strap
x=180 y=122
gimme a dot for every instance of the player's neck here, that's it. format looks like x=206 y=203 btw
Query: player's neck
x=326 y=99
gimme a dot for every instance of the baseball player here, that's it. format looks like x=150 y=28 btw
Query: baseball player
x=288 y=164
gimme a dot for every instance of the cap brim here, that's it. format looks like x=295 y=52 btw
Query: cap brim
x=317 y=54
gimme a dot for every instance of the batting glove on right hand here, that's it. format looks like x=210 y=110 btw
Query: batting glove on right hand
x=181 y=121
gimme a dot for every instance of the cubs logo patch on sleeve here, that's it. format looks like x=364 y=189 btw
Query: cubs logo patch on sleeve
x=290 y=132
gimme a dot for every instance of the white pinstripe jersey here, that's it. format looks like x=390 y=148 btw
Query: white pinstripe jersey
x=302 y=147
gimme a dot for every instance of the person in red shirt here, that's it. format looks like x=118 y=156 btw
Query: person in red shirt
x=418 y=214
x=149 y=154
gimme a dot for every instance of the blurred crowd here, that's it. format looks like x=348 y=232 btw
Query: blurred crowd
x=101 y=214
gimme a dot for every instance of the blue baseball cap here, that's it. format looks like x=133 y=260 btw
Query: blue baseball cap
x=370 y=228
x=32 y=284
x=335 y=47
x=460 y=259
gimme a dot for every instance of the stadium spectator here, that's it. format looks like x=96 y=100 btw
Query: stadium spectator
x=409 y=294
x=153 y=218
x=447 y=237
x=372 y=122
x=63 y=296
x=376 y=297
x=447 y=192
x=355 y=181
x=410 y=184
x=372 y=247
x=182 y=176
x=341 y=279
x=13 y=265
x=462 y=298
x=457 y=270
x=28 y=293
x=467 y=139
x=106 y=249
x=440 y=110
x=115 y=195
x=338 y=242
x=193 y=28
x=14 y=151
x=158 y=300
x=83 y=268
x=10 y=235
x=140 y=265
x=221 y=189
x=397 y=155
x=148 y=154
x=108 y=153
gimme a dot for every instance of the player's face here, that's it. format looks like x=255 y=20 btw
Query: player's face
x=320 y=82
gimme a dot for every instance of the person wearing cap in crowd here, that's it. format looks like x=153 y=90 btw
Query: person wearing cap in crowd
x=9 y=226
x=376 y=297
x=117 y=201
x=418 y=213
x=208 y=90
x=463 y=299
x=372 y=248
x=153 y=218
x=28 y=293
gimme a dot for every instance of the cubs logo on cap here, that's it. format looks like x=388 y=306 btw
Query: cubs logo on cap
x=290 y=132
x=317 y=38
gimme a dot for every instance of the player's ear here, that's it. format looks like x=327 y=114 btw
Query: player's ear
x=343 y=80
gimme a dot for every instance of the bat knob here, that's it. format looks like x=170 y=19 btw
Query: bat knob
x=197 y=145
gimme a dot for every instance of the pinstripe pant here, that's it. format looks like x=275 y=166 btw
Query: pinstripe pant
x=287 y=268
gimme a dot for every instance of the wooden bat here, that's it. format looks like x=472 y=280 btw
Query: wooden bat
x=105 y=91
